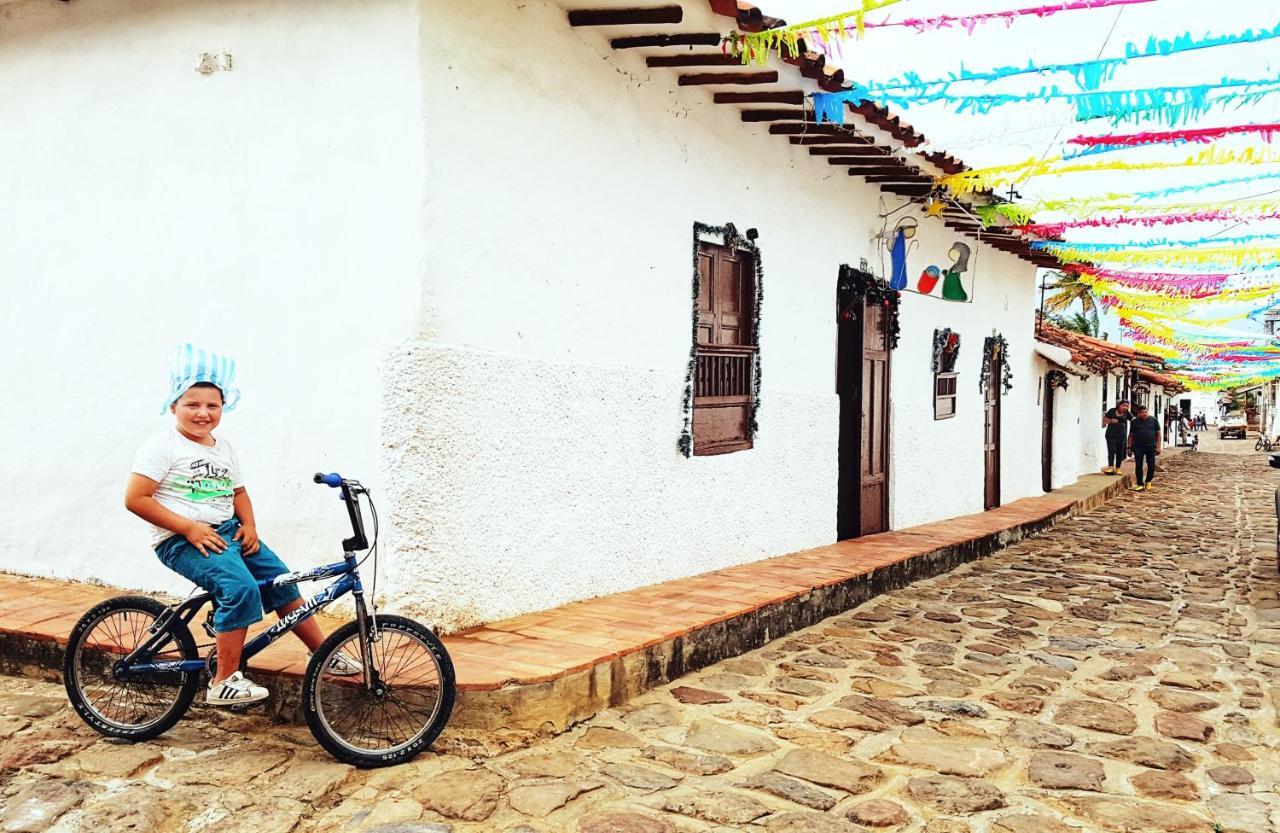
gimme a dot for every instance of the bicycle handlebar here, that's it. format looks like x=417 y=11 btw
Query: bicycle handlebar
x=351 y=491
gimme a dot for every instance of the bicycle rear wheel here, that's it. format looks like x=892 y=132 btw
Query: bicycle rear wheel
x=407 y=708
x=134 y=707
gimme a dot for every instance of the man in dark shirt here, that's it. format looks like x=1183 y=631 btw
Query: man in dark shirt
x=1144 y=442
x=1117 y=424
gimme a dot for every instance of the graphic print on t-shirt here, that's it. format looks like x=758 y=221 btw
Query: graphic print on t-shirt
x=209 y=481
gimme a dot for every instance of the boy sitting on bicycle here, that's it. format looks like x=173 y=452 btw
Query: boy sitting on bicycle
x=187 y=484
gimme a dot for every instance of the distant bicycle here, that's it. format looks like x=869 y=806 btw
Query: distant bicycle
x=1264 y=444
x=132 y=666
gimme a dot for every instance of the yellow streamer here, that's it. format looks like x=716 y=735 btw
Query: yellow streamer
x=982 y=179
x=756 y=47
x=1236 y=257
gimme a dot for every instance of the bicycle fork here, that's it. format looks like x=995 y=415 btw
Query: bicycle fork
x=367 y=627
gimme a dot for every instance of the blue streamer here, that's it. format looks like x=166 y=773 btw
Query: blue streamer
x=1158 y=243
x=1201 y=186
x=1089 y=75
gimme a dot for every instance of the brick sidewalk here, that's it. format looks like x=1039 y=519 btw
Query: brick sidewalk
x=562 y=665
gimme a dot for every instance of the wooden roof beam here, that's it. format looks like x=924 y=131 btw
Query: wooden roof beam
x=626 y=17
x=678 y=39
x=708 y=78
x=693 y=59
x=780 y=97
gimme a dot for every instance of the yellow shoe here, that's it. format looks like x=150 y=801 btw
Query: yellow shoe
x=1147 y=487
x=1139 y=488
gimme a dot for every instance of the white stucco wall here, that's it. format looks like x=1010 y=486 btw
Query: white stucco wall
x=457 y=268
x=532 y=426
x=273 y=211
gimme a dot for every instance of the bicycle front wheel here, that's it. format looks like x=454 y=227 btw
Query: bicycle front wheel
x=122 y=705
x=393 y=715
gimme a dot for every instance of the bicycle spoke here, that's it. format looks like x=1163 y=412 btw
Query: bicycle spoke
x=125 y=703
x=366 y=721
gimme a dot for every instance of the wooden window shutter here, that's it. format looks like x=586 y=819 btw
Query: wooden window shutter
x=726 y=350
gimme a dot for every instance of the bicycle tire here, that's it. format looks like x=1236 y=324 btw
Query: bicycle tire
x=74 y=684
x=1258 y=445
x=333 y=743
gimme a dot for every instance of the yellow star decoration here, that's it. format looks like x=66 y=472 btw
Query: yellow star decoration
x=934 y=207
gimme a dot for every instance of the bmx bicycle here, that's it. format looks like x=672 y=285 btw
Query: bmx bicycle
x=132 y=666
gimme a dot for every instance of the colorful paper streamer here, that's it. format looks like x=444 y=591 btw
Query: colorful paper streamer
x=979 y=179
x=756 y=47
x=1265 y=132
x=1089 y=75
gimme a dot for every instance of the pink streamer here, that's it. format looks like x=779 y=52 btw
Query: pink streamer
x=1057 y=229
x=1203 y=135
x=970 y=22
x=1174 y=284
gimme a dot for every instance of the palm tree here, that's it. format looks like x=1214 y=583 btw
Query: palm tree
x=1068 y=289
x=1077 y=322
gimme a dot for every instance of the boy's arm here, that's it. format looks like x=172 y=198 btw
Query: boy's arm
x=140 y=499
x=247 y=534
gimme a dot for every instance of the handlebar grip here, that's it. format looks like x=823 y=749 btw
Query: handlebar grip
x=331 y=480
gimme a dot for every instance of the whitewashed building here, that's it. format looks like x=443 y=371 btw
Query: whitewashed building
x=454 y=246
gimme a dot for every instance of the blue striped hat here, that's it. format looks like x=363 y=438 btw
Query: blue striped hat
x=189 y=364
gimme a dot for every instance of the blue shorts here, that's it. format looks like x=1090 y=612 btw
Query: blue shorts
x=231 y=576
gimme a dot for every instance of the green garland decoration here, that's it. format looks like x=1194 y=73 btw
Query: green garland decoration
x=940 y=338
x=993 y=346
x=857 y=286
x=732 y=240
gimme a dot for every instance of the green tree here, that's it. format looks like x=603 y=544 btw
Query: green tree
x=1077 y=322
x=1067 y=290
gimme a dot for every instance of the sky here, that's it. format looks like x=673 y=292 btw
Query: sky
x=1016 y=132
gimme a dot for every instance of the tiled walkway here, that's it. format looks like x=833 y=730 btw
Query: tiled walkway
x=540 y=647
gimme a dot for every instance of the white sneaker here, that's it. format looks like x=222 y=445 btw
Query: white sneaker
x=236 y=690
x=344 y=666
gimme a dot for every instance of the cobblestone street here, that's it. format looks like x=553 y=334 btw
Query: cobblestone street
x=1120 y=672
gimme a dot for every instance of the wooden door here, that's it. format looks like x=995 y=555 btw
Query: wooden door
x=862 y=381
x=991 y=438
x=1046 y=438
x=874 y=448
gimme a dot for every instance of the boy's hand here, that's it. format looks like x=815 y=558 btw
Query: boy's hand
x=204 y=538
x=248 y=538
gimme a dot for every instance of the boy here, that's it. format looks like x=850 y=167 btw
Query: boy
x=186 y=483
x=1144 y=442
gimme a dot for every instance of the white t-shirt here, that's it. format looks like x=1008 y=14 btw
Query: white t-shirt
x=196 y=481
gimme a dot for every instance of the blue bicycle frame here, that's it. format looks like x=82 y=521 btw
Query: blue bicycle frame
x=140 y=661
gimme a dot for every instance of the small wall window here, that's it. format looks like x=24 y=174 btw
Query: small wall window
x=726 y=351
x=944 y=395
x=946 y=350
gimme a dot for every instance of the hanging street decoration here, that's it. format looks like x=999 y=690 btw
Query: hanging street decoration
x=1168 y=105
x=1217 y=215
x=984 y=179
x=1265 y=132
x=756 y=47
x=995 y=353
x=1089 y=75
x=1167 y=259
x=826 y=33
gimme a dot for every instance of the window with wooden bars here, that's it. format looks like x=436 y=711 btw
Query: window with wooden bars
x=944 y=395
x=726 y=351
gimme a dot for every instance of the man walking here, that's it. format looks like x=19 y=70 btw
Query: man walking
x=1144 y=442
x=1117 y=425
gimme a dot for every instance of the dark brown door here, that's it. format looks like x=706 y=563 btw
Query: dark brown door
x=991 y=438
x=1046 y=438
x=862 y=381
x=874 y=503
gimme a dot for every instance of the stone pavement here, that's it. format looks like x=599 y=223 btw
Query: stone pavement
x=1120 y=672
